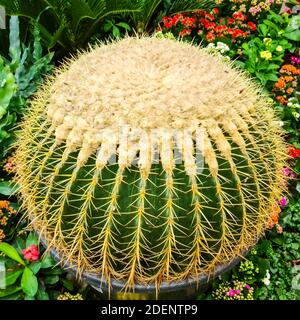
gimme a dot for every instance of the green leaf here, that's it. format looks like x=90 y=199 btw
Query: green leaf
x=67 y=284
x=54 y=271
x=107 y=25
x=47 y=261
x=14 y=39
x=51 y=279
x=298 y=187
x=124 y=25
x=35 y=266
x=29 y=282
x=11 y=252
x=263 y=29
x=11 y=277
x=41 y=293
x=9 y=291
x=28 y=297
x=116 y=32
x=292 y=31
x=32 y=239
x=278 y=240
x=8 y=188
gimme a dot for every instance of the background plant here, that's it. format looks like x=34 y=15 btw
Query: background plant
x=20 y=76
x=68 y=25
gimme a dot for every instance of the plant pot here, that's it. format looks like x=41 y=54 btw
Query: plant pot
x=179 y=290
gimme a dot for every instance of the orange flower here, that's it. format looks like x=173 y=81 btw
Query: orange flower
x=288 y=78
x=4 y=204
x=289 y=90
x=2 y=235
x=3 y=221
x=279 y=228
x=280 y=84
x=274 y=217
x=282 y=100
x=290 y=69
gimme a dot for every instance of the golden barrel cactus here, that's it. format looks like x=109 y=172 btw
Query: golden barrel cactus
x=109 y=161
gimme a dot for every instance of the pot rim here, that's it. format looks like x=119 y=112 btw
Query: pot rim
x=97 y=282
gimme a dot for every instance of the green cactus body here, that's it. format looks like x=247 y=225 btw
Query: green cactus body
x=149 y=221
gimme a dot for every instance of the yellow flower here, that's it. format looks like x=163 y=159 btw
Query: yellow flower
x=267 y=55
x=279 y=49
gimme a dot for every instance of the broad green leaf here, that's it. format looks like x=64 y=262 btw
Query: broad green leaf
x=41 y=293
x=11 y=252
x=8 y=188
x=51 y=279
x=35 y=266
x=116 y=32
x=124 y=25
x=11 y=277
x=67 y=284
x=9 y=291
x=14 y=39
x=29 y=283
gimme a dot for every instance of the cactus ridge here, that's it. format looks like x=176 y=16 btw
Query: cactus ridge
x=149 y=222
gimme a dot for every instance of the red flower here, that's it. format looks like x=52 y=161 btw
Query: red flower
x=238 y=33
x=206 y=24
x=31 y=253
x=239 y=16
x=188 y=22
x=220 y=28
x=167 y=21
x=210 y=37
x=230 y=21
x=294 y=152
x=185 y=32
x=251 y=26
x=209 y=16
x=215 y=11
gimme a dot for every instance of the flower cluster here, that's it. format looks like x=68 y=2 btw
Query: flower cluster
x=209 y=25
x=6 y=213
x=294 y=152
x=294 y=106
x=266 y=279
x=252 y=7
x=8 y=166
x=295 y=60
x=69 y=296
x=274 y=217
x=31 y=253
x=288 y=173
x=248 y=270
x=239 y=290
x=287 y=83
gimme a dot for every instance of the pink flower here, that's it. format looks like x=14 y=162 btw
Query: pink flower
x=283 y=202
x=253 y=10
x=293 y=175
x=231 y=293
x=247 y=287
x=295 y=60
x=237 y=291
x=286 y=171
x=31 y=253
